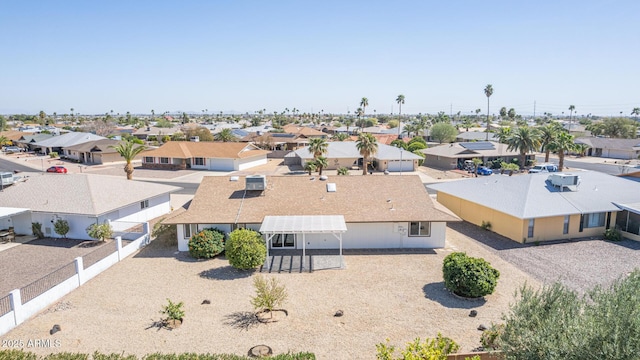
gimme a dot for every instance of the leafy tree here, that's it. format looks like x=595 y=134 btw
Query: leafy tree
x=206 y=244
x=392 y=124
x=201 y=132
x=503 y=112
x=562 y=144
x=399 y=144
x=225 y=135
x=245 y=249
x=511 y=114
x=443 y=132
x=488 y=91
x=3 y=123
x=620 y=128
x=269 y=294
x=367 y=145
x=61 y=227
x=100 y=231
x=418 y=139
x=400 y=101
x=524 y=139
x=416 y=146
x=128 y=150
x=164 y=123
x=467 y=276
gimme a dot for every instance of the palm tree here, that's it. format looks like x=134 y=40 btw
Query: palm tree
x=129 y=150
x=360 y=116
x=340 y=137
x=368 y=146
x=364 y=103
x=318 y=147
x=225 y=135
x=581 y=148
x=72 y=117
x=524 y=139
x=636 y=112
x=348 y=122
x=3 y=140
x=503 y=134
x=310 y=166
x=400 y=101
x=562 y=144
x=476 y=164
x=548 y=134
x=571 y=108
x=488 y=91
x=322 y=163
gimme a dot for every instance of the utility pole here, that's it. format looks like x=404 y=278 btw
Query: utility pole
x=534 y=110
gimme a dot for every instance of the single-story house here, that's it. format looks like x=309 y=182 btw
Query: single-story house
x=144 y=133
x=345 y=154
x=28 y=140
x=453 y=156
x=305 y=131
x=84 y=199
x=624 y=149
x=467 y=136
x=58 y=143
x=541 y=207
x=372 y=211
x=95 y=152
x=215 y=156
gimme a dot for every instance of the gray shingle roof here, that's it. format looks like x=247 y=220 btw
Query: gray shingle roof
x=69 y=139
x=532 y=196
x=457 y=150
x=608 y=143
x=79 y=193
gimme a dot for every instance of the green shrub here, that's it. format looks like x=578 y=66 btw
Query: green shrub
x=490 y=338
x=245 y=249
x=613 y=234
x=165 y=234
x=486 y=225
x=173 y=310
x=469 y=277
x=61 y=227
x=25 y=355
x=53 y=154
x=100 y=231
x=67 y=356
x=343 y=171
x=15 y=354
x=36 y=228
x=416 y=146
x=206 y=244
x=432 y=349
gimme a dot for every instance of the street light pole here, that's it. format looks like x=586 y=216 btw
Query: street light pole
x=401 y=150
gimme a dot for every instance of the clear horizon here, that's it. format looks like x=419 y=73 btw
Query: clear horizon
x=243 y=56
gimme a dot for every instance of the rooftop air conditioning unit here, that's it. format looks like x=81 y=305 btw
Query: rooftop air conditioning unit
x=256 y=182
x=564 y=180
x=195 y=138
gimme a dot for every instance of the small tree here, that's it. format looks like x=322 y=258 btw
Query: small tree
x=61 y=227
x=173 y=310
x=100 y=231
x=206 y=244
x=269 y=294
x=245 y=249
x=343 y=171
x=467 y=276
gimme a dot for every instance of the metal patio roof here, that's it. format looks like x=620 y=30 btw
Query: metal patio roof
x=308 y=224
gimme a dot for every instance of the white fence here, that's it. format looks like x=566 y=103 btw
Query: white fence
x=15 y=311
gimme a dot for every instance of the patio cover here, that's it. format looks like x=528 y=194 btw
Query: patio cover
x=303 y=224
x=6 y=212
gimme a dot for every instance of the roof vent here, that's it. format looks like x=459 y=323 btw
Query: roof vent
x=331 y=187
x=323 y=177
x=256 y=182
x=234 y=178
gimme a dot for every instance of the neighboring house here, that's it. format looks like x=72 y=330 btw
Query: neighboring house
x=276 y=141
x=467 y=136
x=144 y=133
x=624 y=149
x=216 y=156
x=453 y=156
x=27 y=140
x=95 y=152
x=57 y=143
x=530 y=208
x=83 y=200
x=386 y=139
x=12 y=136
x=375 y=211
x=346 y=154
x=303 y=131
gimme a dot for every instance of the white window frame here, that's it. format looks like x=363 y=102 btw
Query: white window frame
x=422 y=225
x=565 y=225
x=531 y=228
x=594 y=220
x=189 y=230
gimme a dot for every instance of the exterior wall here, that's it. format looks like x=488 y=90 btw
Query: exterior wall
x=334 y=163
x=77 y=224
x=619 y=154
x=174 y=164
x=440 y=162
x=242 y=164
x=22 y=224
x=158 y=206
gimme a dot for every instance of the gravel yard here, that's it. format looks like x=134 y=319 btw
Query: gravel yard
x=399 y=296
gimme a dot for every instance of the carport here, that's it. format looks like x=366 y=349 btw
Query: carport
x=302 y=225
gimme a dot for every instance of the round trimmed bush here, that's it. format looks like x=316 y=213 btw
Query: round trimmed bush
x=245 y=249
x=206 y=244
x=469 y=277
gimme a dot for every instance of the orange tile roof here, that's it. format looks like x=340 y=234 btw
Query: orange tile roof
x=206 y=149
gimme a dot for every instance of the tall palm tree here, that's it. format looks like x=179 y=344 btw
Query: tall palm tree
x=360 y=116
x=488 y=91
x=364 y=103
x=400 y=101
x=72 y=117
x=636 y=112
x=310 y=166
x=321 y=163
x=348 y=122
x=571 y=109
x=548 y=134
x=562 y=144
x=318 y=147
x=524 y=139
x=368 y=146
x=503 y=134
x=129 y=150
x=225 y=135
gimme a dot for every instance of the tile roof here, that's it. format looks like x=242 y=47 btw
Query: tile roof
x=206 y=149
x=532 y=196
x=375 y=198
x=83 y=194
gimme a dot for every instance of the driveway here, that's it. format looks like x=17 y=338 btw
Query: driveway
x=578 y=264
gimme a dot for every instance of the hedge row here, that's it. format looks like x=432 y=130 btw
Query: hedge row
x=25 y=355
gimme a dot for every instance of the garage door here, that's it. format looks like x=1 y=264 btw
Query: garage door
x=394 y=165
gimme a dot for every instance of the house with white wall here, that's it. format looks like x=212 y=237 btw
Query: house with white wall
x=377 y=211
x=84 y=199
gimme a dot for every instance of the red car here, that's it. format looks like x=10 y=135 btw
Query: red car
x=57 y=169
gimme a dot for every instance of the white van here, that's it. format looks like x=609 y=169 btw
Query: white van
x=7 y=178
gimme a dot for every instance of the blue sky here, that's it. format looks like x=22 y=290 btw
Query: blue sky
x=97 y=56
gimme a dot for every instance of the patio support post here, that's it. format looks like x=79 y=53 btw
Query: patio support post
x=304 y=244
x=268 y=243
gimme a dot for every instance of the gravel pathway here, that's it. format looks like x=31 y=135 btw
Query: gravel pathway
x=579 y=264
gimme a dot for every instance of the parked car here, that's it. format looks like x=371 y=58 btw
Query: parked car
x=483 y=170
x=57 y=170
x=12 y=149
x=542 y=168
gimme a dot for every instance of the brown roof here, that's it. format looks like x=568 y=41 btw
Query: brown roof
x=104 y=146
x=358 y=198
x=386 y=139
x=13 y=135
x=302 y=130
x=206 y=149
